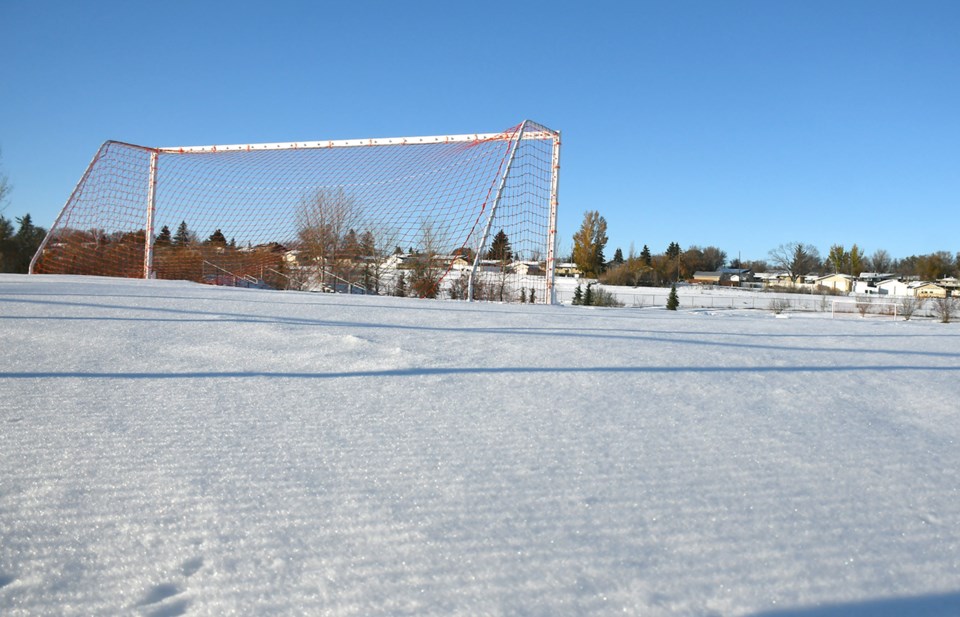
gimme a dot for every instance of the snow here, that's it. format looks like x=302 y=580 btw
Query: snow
x=170 y=448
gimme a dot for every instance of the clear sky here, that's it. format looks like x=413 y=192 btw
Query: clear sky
x=738 y=124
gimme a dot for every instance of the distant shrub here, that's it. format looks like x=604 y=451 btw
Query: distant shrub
x=908 y=306
x=602 y=297
x=779 y=305
x=945 y=309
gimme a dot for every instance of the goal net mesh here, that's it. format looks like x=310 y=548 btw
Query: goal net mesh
x=415 y=216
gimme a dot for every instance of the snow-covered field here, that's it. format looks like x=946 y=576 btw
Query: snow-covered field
x=169 y=448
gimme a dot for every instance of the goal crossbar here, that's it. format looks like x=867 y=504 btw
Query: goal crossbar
x=357 y=143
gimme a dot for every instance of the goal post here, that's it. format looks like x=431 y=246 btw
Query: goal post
x=469 y=216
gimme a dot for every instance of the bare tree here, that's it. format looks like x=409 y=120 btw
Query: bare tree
x=908 y=306
x=425 y=279
x=796 y=259
x=5 y=187
x=323 y=221
x=946 y=308
x=880 y=261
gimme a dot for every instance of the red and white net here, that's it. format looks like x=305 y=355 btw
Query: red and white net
x=410 y=219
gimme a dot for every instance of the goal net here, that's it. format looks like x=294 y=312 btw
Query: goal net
x=455 y=216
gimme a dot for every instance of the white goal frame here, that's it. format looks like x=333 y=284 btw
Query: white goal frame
x=516 y=135
x=856 y=311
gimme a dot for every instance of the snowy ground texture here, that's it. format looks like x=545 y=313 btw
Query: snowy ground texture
x=169 y=448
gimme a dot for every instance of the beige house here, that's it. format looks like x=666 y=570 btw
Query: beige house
x=840 y=282
x=923 y=289
x=707 y=278
x=567 y=269
x=524 y=268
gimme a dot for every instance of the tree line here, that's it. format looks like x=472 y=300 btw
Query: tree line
x=18 y=242
x=797 y=259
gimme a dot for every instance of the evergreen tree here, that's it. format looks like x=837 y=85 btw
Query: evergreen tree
x=401 y=288
x=217 y=239
x=645 y=255
x=26 y=242
x=533 y=295
x=588 y=295
x=673 y=250
x=618 y=257
x=523 y=295
x=182 y=238
x=500 y=248
x=673 y=302
x=368 y=244
x=578 y=296
x=351 y=245
x=7 y=246
x=164 y=238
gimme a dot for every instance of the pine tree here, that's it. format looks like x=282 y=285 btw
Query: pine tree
x=500 y=248
x=578 y=296
x=673 y=302
x=618 y=257
x=164 y=238
x=588 y=295
x=401 y=288
x=183 y=235
x=645 y=255
x=351 y=245
x=217 y=238
x=523 y=295
x=368 y=244
x=7 y=247
x=26 y=242
x=533 y=295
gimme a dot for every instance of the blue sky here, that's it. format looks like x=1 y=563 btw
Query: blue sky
x=737 y=124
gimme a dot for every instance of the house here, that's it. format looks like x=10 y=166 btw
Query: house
x=460 y=264
x=872 y=278
x=839 y=282
x=951 y=284
x=892 y=287
x=491 y=265
x=738 y=277
x=773 y=279
x=923 y=289
x=707 y=278
x=567 y=269
x=524 y=268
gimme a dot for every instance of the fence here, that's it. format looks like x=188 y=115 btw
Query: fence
x=711 y=297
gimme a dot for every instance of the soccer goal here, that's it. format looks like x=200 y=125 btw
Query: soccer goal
x=865 y=306
x=455 y=216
